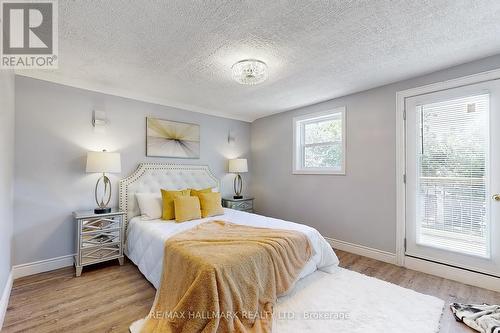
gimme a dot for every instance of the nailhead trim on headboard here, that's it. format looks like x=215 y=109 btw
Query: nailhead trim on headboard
x=145 y=168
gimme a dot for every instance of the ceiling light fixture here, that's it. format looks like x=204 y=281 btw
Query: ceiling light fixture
x=249 y=71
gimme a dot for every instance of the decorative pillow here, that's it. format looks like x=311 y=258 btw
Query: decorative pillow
x=210 y=204
x=168 y=212
x=195 y=193
x=186 y=208
x=150 y=205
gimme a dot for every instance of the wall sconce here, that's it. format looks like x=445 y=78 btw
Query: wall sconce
x=99 y=121
x=230 y=137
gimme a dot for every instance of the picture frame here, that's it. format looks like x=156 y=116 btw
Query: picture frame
x=172 y=139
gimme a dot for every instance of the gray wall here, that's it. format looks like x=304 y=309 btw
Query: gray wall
x=6 y=173
x=359 y=207
x=53 y=134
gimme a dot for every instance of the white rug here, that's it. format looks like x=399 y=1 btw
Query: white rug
x=349 y=302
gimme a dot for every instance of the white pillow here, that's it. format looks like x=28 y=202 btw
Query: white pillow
x=150 y=205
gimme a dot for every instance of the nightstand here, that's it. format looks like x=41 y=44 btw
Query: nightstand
x=99 y=237
x=245 y=204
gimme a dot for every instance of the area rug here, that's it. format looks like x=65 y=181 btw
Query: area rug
x=348 y=302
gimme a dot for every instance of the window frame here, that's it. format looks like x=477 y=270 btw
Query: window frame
x=299 y=146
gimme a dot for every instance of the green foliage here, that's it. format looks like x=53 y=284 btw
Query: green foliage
x=328 y=155
x=323 y=156
x=458 y=151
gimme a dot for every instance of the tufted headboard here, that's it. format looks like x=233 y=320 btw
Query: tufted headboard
x=151 y=177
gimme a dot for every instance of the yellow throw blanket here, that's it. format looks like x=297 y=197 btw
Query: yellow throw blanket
x=224 y=277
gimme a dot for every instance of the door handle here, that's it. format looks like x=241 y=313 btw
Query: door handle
x=496 y=197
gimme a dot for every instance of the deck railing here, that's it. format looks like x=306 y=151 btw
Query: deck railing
x=453 y=204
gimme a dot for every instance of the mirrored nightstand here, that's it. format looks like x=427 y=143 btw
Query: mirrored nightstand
x=99 y=237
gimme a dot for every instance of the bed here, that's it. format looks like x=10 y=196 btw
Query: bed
x=146 y=239
x=233 y=265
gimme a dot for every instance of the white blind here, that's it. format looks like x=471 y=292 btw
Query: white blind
x=451 y=200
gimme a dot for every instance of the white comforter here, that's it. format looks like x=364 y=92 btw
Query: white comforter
x=145 y=240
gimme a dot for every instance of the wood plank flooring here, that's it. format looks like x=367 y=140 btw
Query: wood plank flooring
x=108 y=297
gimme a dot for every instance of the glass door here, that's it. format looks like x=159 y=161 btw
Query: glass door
x=453 y=177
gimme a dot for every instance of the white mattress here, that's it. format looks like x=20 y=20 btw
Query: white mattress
x=145 y=241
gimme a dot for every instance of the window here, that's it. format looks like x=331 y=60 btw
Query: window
x=452 y=155
x=319 y=143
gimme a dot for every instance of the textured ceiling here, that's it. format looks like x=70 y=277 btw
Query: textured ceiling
x=179 y=53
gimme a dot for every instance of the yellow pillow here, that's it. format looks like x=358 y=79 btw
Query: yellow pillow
x=210 y=204
x=196 y=193
x=186 y=208
x=167 y=197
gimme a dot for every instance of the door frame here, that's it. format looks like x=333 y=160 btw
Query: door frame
x=401 y=96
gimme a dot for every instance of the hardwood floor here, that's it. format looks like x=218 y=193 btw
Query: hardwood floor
x=108 y=297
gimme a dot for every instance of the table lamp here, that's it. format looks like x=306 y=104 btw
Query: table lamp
x=103 y=162
x=237 y=166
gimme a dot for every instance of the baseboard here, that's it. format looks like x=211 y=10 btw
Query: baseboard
x=424 y=266
x=42 y=266
x=363 y=250
x=4 y=300
x=453 y=273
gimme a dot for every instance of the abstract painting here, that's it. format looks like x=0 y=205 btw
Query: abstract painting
x=165 y=138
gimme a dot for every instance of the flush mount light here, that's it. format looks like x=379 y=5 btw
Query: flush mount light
x=249 y=71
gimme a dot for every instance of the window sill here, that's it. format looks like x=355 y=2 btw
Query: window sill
x=319 y=172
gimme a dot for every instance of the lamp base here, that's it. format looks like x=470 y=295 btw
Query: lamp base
x=238 y=184
x=104 y=210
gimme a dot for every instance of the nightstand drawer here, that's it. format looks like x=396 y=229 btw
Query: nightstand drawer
x=93 y=225
x=101 y=253
x=101 y=238
x=243 y=205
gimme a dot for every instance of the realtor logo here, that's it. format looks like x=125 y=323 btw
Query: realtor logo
x=29 y=34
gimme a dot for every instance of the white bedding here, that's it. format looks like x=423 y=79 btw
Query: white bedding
x=145 y=240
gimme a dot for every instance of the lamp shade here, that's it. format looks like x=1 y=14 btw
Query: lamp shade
x=238 y=165
x=103 y=162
